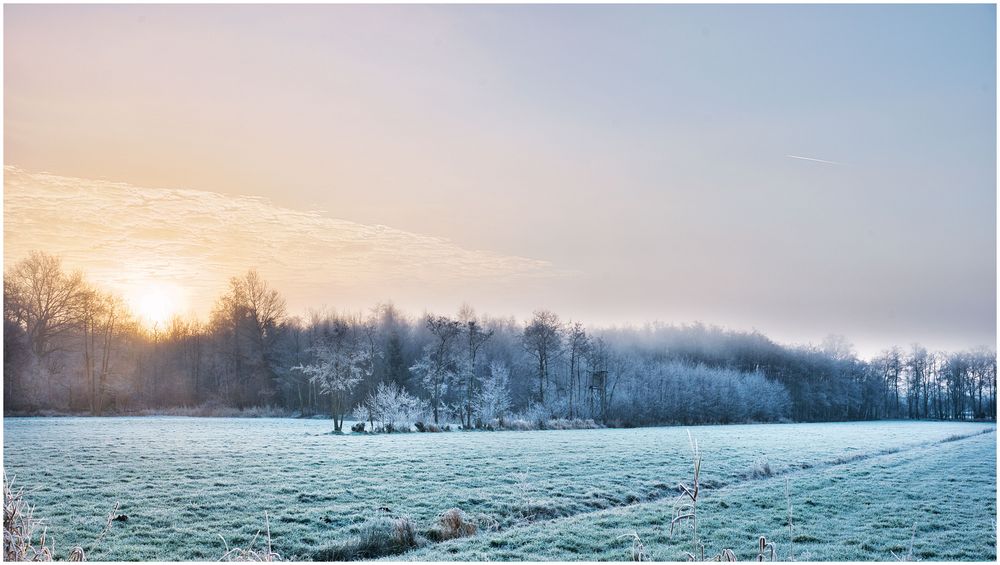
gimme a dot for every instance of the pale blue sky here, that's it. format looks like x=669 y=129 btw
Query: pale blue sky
x=640 y=151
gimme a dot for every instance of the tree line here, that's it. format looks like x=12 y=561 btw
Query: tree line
x=71 y=347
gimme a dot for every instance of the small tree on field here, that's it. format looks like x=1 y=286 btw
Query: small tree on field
x=339 y=367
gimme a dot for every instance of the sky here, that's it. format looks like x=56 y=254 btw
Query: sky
x=799 y=170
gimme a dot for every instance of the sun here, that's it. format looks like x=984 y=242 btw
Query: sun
x=155 y=304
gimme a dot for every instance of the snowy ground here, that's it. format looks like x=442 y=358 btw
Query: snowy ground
x=857 y=489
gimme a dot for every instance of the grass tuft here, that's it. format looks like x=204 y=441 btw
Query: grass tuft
x=20 y=527
x=761 y=468
x=249 y=553
x=452 y=524
x=380 y=536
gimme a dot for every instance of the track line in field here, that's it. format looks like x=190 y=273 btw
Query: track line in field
x=790 y=470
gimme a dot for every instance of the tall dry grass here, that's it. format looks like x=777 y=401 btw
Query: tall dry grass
x=686 y=506
x=638 y=550
x=250 y=552
x=452 y=524
x=380 y=536
x=23 y=534
x=686 y=512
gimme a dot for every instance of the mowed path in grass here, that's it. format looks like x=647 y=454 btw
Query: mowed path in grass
x=185 y=481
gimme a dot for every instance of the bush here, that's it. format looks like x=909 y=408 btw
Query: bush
x=522 y=424
x=214 y=409
x=431 y=427
x=358 y=428
x=574 y=424
x=392 y=408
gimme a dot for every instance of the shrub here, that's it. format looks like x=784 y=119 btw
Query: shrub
x=524 y=424
x=520 y=424
x=392 y=407
x=214 y=409
x=567 y=424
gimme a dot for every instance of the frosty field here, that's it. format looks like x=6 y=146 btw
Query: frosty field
x=857 y=489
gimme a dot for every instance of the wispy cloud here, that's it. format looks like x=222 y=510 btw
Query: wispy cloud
x=813 y=159
x=123 y=236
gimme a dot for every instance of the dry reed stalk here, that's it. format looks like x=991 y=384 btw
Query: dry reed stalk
x=686 y=509
x=763 y=547
x=791 y=527
x=909 y=552
x=638 y=551
x=726 y=555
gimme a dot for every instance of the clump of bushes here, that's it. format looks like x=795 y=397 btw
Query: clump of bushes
x=431 y=427
x=213 y=409
x=390 y=409
x=523 y=425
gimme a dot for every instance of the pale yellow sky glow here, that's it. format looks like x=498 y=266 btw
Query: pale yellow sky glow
x=615 y=164
x=171 y=251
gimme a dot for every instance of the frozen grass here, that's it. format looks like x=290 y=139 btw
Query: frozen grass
x=939 y=498
x=183 y=481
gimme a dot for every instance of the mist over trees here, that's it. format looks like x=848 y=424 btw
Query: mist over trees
x=71 y=347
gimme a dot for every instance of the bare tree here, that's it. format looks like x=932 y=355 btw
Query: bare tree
x=542 y=338
x=251 y=316
x=473 y=339
x=437 y=366
x=577 y=343
x=43 y=299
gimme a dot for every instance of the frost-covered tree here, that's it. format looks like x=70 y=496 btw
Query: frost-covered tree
x=436 y=368
x=473 y=337
x=392 y=407
x=542 y=338
x=339 y=366
x=493 y=401
x=70 y=346
x=577 y=347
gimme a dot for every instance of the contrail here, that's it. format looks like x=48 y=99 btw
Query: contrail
x=816 y=160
